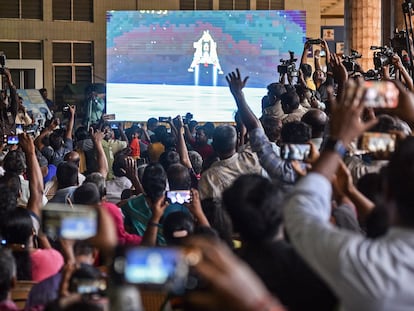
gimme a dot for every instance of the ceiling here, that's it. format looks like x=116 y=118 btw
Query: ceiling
x=332 y=8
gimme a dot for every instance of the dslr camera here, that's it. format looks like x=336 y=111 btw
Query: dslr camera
x=382 y=56
x=349 y=61
x=288 y=66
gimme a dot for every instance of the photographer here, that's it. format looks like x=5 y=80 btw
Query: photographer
x=401 y=72
x=8 y=106
x=94 y=109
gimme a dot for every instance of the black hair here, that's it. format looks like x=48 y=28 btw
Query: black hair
x=83 y=248
x=55 y=140
x=290 y=101
x=83 y=305
x=67 y=175
x=224 y=139
x=192 y=124
x=119 y=165
x=209 y=128
x=154 y=181
x=87 y=194
x=7 y=272
x=168 y=158
x=177 y=221
x=275 y=90
x=255 y=207
x=169 y=141
x=179 y=177
x=151 y=122
x=219 y=219
x=160 y=131
x=99 y=181
x=10 y=187
x=272 y=127
x=15 y=161
x=82 y=133
x=17 y=229
x=296 y=132
x=385 y=124
x=307 y=70
x=84 y=272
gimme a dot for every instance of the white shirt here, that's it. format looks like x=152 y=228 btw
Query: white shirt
x=365 y=274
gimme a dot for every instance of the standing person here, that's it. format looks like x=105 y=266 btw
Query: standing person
x=50 y=104
x=22 y=118
x=95 y=106
x=8 y=107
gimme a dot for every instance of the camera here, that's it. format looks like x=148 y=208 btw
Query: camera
x=288 y=66
x=2 y=63
x=156 y=268
x=349 y=61
x=314 y=41
x=187 y=118
x=383 y=56
x=295 y=151
x=179 y=196
x=77 y=223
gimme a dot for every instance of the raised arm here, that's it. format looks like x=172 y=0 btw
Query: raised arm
x=39 y=139
x=69 y=130
x=304 y=58
x=13 y=93
x=150 y=236
x=406 y=76
x=236 y=85
x=122 y=132
x=34 y=174
x=181 y=146
x=97 y=138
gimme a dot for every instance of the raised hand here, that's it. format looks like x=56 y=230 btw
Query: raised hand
x=235 y=81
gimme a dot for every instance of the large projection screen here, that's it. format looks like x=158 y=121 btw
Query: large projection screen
x=168 y=63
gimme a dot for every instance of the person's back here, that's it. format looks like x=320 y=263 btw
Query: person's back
x=222 y=173
x=255 y=206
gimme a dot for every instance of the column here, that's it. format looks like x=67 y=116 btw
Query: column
x=363 y=28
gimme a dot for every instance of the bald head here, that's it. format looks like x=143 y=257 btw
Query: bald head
x=317 y=120
x=72 y=157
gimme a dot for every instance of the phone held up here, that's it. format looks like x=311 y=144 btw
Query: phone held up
x=295 y=151
x=381 y=94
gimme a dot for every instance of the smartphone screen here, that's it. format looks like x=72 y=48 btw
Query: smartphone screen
x=12 y=140
x=381 y=94
x=179 y=196
x=75 y=223
x=295 y=151
x=377 y=142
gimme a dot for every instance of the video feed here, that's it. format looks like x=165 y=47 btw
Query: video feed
x=167 y=63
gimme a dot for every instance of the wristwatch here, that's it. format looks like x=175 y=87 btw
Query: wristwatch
x=336 y=145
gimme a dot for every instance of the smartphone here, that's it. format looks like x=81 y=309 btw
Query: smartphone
x=295 y=151
x=377 y=142
x=164 y=119
x=381 y=94
x=78 y=222
x=86 y=286
x=114 y=126
x=179 y=196
x=12 y=139
x=314 y=41
x=157 y=268
x=19 y=128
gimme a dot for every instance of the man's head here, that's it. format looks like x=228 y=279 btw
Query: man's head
x=255 y=207
x=154 y=181
x=67 y=175
x=319 y=76
x=7 y=273
x=15 y=162
x=296 y=132
x=168 y=158
x=43 y=92
x=201 y=136
x=84 y=252
x=72 y=157
x=55 y=140
x=272 y=127
x=316 y=119
x=225 y=140
x=152 y=123
x=87 y=194
x=178 y=177
x=10 y=188
x=290 y=101
x=196 y=161
x=99 y=181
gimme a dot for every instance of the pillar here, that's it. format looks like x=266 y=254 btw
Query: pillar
x=363 y=28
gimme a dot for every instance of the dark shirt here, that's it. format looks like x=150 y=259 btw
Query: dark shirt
x=55 y=157
x=287 y=276
x=8 y=115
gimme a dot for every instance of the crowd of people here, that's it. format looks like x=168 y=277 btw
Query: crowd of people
x=289 y=211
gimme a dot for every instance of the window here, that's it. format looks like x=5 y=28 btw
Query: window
x=234 y=4
x=27 y=9
x=270 y=4
x=73 y=63
x=74 y=10
x=196 y=4
x=21 y=49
